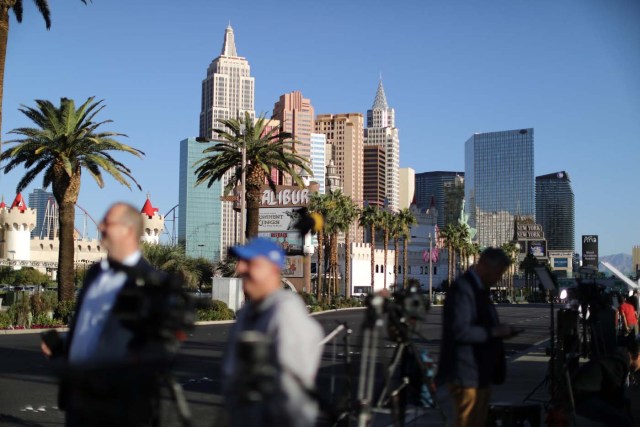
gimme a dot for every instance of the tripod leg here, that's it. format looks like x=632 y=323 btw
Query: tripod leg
x=177 y=394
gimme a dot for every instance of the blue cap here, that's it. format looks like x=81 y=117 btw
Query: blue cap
x=260 y=246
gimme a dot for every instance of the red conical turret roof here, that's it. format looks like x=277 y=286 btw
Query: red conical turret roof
x=19 y=203
x=148 y=208
x=3 y=204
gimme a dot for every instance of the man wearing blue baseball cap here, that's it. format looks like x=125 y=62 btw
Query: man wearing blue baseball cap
x=274 y=349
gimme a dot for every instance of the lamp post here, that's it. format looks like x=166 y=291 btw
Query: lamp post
x=243 y=151
x=243 y=178
x=201 y=245
x=430 y=269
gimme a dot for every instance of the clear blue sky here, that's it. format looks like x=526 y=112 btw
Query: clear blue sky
x=570 y=69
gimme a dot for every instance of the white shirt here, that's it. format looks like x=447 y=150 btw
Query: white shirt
x=96 y=308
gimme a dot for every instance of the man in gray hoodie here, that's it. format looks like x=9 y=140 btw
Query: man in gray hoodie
x=273 y=352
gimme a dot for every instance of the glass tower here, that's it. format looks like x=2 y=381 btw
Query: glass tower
x=318 y=157
x=38 y=200
x=555 y=210
x=432 y=186
x=499 y=183
x=200 y=220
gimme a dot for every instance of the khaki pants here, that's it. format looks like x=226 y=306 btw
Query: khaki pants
x=471 y=406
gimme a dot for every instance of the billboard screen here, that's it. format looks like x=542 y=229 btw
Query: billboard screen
x=293 y=266
x=560 y=262
x=590 y=251
x=278 y=224
x=290 y=241
x=538 y=248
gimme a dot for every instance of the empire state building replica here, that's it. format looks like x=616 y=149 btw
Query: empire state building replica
x=227 y=93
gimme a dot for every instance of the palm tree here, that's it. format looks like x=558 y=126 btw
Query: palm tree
x=450 y=236
x=16 y=7
x=406 y=220
x=510 y=249
x=173 y=260
x=349 y=212
x=395 y=231
x=66 y=142
x=265 y=150
x=370 y=218
x=318 y=204
x=385 y=224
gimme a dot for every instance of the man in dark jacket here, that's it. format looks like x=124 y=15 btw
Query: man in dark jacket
x=101 y=384
x=599 y=386
x=472 y=354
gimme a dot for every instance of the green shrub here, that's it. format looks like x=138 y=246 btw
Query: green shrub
x=309 y=299
x=43 y=320
x=207 y=314
x=6 y=320
x=64 y=310
x=20 y=313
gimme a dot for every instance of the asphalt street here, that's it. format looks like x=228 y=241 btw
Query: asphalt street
x=28 y=389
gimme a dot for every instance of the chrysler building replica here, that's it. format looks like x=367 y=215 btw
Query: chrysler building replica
x=381 y=131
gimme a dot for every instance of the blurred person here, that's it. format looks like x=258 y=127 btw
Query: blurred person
x=93 y=392
x=600 y=386
x=628 y=315
x=273 y=352
x=472 y=354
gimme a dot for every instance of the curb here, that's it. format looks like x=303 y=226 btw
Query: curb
x=318 y=313
x=30 y=331
x=200 y=323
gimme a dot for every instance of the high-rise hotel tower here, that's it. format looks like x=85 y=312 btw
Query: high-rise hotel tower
x=227 y=93
x=381 y=131
x=498 y=183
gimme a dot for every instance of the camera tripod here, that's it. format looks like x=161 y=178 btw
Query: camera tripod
x=404 y=354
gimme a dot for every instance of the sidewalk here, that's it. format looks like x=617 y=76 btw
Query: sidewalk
x=525 y=371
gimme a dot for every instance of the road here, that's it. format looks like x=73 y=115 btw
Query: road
x=28 y=391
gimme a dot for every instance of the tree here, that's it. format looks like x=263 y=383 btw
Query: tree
x=385 y=224
x=450 y=236
x=265 y=150
x=528 y=265
x=370 y=218
x=348 y=213
x=16 y=7
x=318 y=204
x=65 y=143
x=406 y=219
x=395 y=231
x=173 y=260
x=510 y=249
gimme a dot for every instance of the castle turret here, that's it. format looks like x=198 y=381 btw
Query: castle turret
x=16 y=223
x=153 y=223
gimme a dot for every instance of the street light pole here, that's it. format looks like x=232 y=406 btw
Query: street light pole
x=243 y=189
x=430 y=269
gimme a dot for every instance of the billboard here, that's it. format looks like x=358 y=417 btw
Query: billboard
x=293 y=266
x=538 y=248
x=560 y=263
x=291 y=242
x=590 y=251
x=278 y=224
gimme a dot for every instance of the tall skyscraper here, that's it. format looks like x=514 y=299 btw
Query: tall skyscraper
x=39 y=199
x=295 y=114
x=318 y=159
x=228 y=89
x=430 y=186
x=200 y=219
x=345 y=134
x=555 y=210
x=499 y=183
x=407 y=187
x=381 y=130
x=227 y=93
x=375 y=164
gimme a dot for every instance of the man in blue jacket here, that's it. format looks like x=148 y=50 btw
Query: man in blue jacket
x=472 y=355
